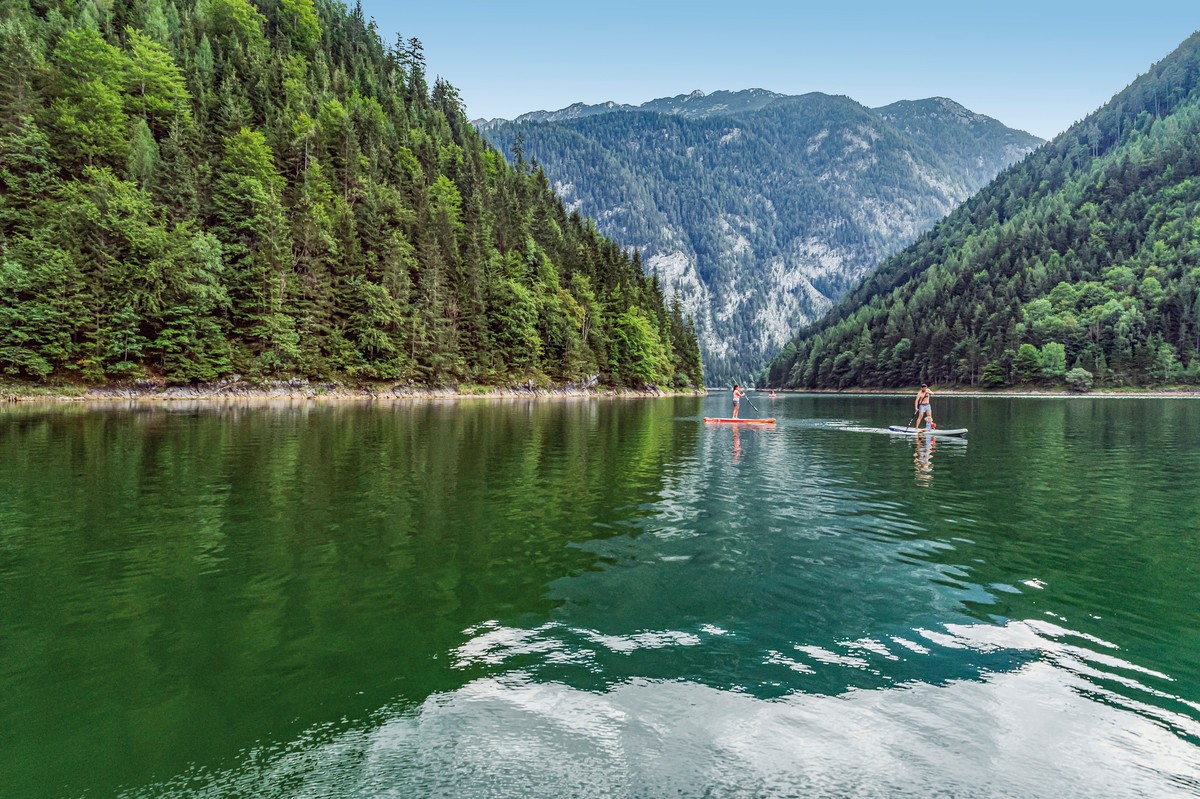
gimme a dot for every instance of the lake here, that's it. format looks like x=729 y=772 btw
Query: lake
x=600 y=598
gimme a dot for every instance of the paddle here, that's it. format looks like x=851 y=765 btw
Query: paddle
x=752 y=405
x=929 y=426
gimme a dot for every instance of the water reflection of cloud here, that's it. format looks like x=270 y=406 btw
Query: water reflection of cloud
x=1036 y=731
x=1075 y=689
x=828 y=657
x=492 y=644
x=1105 y=671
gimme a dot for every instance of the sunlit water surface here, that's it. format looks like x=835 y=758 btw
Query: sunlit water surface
x=600 y=598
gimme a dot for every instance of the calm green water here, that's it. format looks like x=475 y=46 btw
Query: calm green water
x=609 y=599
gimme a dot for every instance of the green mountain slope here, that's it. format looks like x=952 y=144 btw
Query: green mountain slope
x=1086 y=256
x=760 y=209
x=191 y=190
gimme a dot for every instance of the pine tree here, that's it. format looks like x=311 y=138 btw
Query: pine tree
x=190 y=192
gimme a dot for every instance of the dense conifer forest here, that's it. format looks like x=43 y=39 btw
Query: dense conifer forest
x=193 y=189
x=1078 y=266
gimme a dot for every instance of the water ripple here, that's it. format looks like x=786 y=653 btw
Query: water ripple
x=601 y=599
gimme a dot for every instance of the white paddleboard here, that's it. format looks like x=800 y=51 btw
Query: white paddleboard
x=938 y=431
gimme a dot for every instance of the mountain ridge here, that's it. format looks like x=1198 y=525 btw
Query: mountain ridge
x=761 y=208
x=747 y=98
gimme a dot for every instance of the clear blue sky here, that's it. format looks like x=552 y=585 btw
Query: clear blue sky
x=1038 y=66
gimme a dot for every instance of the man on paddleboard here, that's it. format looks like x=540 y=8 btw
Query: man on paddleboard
x=922 y=407
x=737 y=396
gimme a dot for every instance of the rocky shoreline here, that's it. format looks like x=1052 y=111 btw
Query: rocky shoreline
x=302 y=389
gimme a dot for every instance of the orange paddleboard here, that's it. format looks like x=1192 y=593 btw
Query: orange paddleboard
x=740 y=421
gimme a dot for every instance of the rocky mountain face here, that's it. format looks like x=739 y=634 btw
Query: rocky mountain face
x=760 y=209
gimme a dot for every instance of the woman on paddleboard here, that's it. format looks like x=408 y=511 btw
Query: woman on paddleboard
x=737 y=396
x=922 y=407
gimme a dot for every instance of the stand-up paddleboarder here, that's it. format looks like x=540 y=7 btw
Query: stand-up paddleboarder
x=924 y=396
x=737 y=397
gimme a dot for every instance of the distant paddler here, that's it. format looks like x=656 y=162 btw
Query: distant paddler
x=924 y=397
x=737 y=397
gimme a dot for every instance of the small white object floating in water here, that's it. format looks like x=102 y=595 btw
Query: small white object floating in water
x=937 y=431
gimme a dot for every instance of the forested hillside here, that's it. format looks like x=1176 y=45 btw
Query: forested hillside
x=761 y=209
x=1080 y=264
x=191 y=190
